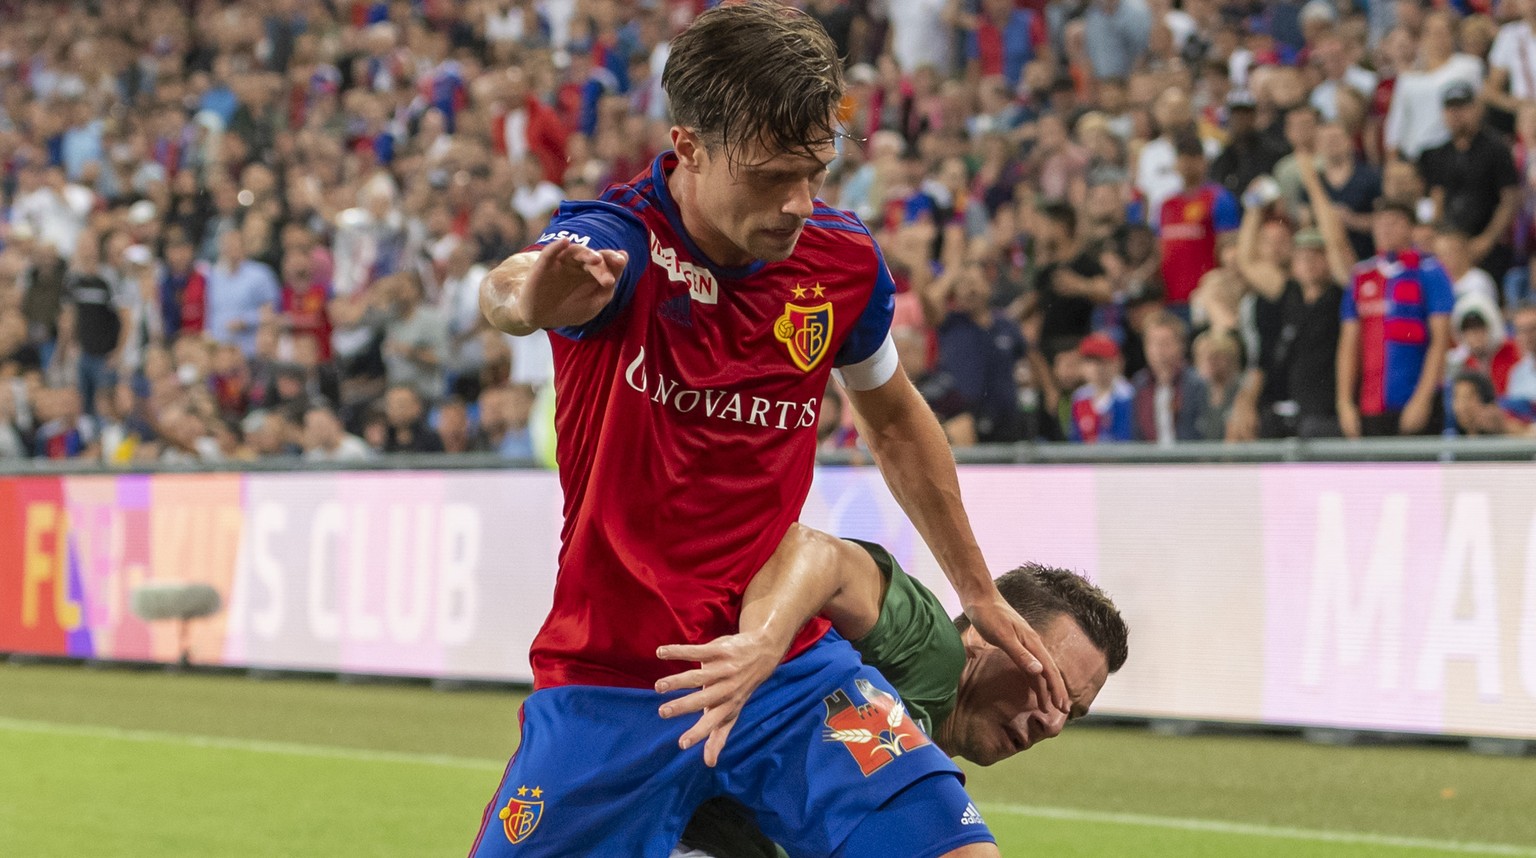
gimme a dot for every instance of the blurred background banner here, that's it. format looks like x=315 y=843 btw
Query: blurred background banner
x=1390 y=597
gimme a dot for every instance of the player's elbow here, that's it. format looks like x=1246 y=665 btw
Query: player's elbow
x=499 y=303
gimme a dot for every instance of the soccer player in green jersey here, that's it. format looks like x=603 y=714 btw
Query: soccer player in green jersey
x=965 y=693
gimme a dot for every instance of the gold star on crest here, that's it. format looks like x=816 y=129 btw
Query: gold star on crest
x=522 y=791
x=538 y=793
x=819 y=292
x=798 y=291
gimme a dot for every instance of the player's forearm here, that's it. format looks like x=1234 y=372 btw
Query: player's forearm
x=914 y=457
x=502 y=295
x=812 y=573
x=797 y=581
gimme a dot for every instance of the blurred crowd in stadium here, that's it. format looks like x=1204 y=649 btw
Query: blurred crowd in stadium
x=257 y=229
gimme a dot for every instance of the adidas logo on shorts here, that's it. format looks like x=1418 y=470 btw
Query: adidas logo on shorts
x=972 y=816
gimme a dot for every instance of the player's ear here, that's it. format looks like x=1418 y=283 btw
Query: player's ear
x=689 y=148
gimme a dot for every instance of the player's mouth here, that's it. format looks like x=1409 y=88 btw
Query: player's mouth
x=783 y=235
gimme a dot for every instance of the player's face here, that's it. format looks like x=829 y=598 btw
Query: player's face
x=998 y=714
x=756 y=204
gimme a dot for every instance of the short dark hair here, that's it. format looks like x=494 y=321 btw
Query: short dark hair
x=1042 y=593
x=1060 y=212
x=1188 y=144
x=755 y=71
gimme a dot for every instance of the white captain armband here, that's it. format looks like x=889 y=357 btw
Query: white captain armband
x=873 y=371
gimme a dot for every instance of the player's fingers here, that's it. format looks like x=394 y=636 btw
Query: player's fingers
x=701 y=730
x=696 y=678
x=716 y=742
x=688 y=652
x=708 y=696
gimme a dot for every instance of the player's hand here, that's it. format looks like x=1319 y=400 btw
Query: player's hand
x=730 y=669
x=567 y=284
x=1000 y=625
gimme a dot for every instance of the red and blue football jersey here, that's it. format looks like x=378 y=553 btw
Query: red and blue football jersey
x=686 y=420
x=1189 y=226
x=1392 y=297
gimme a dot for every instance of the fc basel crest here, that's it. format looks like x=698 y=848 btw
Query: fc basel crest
x=521 y=816
x=876 y=732
x=806 y=332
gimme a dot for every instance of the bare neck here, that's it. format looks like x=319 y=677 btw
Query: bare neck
x=684 y=188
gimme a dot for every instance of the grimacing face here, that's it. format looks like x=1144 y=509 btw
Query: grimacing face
x=998 y=714
x=752 y=206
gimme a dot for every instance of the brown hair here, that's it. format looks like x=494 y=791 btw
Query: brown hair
x=1042 y=593
x=755 y=71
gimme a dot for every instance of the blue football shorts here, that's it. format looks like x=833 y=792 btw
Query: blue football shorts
x=822 y=747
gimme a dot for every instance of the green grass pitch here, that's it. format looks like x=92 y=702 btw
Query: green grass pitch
x=132 y=763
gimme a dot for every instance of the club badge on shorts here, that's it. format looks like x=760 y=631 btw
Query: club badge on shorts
x=806 y=331
x=875 y=732
x=521 y=816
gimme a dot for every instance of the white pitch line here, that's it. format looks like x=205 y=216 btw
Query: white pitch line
x=293 y=749
x=1216 y=826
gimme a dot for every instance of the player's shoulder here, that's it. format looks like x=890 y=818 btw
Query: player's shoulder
x=837 y=231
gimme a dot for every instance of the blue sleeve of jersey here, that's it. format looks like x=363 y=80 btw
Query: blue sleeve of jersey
x=1225 y=213
x=1347 y=310
x=602 y=226
x=1439 y=296
x=870 y=331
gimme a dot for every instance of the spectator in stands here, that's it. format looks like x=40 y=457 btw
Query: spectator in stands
x=1389 y=375
x=183 y=288
x=406 y=424
x=1511 y=83
x=1170 y=400
x=1522 y=377
x=185 y=438
x=42 y=299
x=1158 y=176
x=1482 y=344
x=1452 y=248
x=240 y=291
x=1475 y=407
x=1416 y=121
x=1301 y=127
x=459 y=303
x=978 y=348
x=1473 y=182
x=94 y=319
x=1117 y=34
x=1219 y=363
x=123 y=432
x=1291 y=388
x=454 y=427
x=1351 y=184
x=64 y=431
x=326 y=441
x=415 y=344
x=1070 y=281
x=1190 y=225
x=12 y=444
x=305 y=301
x=1250 y=152
x=1103 y=407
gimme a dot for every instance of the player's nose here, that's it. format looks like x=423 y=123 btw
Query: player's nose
x=801 y=202
x=1046 y=723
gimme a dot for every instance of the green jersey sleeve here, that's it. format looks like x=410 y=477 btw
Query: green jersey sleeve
x=913 y=644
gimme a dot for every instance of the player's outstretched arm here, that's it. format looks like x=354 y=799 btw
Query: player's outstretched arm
x=909 y=446
x=563 y=284
x=809 y=573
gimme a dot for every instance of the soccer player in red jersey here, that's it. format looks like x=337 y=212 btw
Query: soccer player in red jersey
x=697 y=313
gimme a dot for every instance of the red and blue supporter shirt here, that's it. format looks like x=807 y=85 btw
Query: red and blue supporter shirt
x=1393 y=297
x=1189 y=225
x=1102 y=417
x=686 y=419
